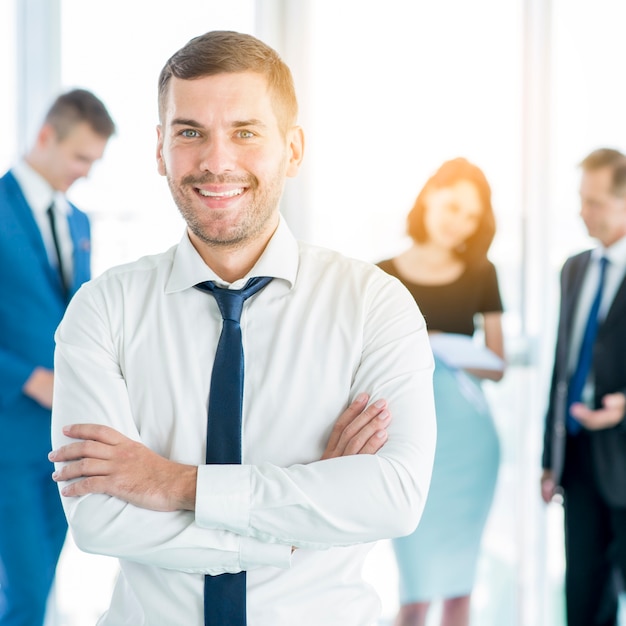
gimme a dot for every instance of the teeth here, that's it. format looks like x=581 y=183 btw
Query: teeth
x=222 y=194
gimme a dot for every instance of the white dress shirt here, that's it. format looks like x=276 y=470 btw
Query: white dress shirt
x=135 y=352
x=40 y=195
x=615 y=272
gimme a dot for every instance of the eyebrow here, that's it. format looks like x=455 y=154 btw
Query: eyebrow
x=251 y=122
x=182 y=121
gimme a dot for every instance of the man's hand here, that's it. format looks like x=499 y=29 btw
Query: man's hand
x=105 y=461
x=548 y=486
x=108 y=462
x=611 y=413
x=39 y=386
x=359 y=430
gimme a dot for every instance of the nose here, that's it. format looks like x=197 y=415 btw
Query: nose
x=81 y=167
x=584 y=209
x=84 y=170
x=217 y=155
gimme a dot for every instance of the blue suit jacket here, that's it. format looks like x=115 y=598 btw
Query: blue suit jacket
x=32 y=304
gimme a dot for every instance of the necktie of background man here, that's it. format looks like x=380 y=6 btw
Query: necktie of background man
x=583 y=366
x=57 y=247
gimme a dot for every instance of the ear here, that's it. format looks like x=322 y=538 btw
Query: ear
x=46 y=135
x=295 y=137
x=159 y=155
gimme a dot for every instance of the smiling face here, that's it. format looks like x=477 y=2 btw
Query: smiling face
x=225 y=158
x=452 y=214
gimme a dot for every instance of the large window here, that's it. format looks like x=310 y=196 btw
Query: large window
x=117 y=50
x=8 y=68
x=388 y=91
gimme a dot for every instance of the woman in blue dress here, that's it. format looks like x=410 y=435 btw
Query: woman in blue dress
x=447 y=271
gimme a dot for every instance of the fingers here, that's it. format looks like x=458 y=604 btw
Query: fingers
x=611 y=413
x=355 y=408
x=80 y=450
x=367 y=433
x=374 y=443
x=363 y=426
x=579 y=410
x=94 y=432
x=357 y=405
x=548 y=486
x=92 y=484
x=81 y=469
x=359 y=429
x=547 y=491
x=614 y=402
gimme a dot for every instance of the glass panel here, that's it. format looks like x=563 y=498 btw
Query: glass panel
x=8 y=126
x=118 y=50
x=397 y=88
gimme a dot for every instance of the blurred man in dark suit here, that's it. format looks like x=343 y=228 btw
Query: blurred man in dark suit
x=585 y=434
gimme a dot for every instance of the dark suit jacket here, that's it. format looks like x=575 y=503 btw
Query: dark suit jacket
x=609 y=370
x=31 y=306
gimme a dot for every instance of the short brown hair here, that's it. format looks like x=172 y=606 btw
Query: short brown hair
x=76 y=106
x=450 y=173
x=218 y=52
x=611 y=158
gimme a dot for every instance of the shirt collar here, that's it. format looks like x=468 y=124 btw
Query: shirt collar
x=616 y=253
x=279 y=260
x=37 y=190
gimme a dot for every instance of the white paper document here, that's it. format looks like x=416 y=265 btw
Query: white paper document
x=463 y=352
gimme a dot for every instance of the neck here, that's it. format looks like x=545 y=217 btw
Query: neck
x=37 y=165
x=432 y=255
x=233 y=262
x=608 y=241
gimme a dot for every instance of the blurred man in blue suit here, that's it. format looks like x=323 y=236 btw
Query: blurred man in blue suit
x=44 y=258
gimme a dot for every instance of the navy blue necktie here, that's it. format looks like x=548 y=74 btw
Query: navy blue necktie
x=583 y=367
x=225 y=595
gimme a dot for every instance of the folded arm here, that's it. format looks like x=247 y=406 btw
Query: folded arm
x=104 y=461
x=339 y=500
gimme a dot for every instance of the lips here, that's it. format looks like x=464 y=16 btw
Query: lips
x=229 y=193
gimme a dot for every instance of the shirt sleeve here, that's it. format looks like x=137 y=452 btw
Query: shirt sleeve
x=490 y=301
x=90 y=388
x=14 y=372
x=351 y=499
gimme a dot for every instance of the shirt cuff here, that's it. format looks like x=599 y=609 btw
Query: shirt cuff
x=223 y=497
x=223 y=502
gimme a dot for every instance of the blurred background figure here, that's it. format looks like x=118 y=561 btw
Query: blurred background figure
x=584 y=453
x=447 y=271
x=44 y=258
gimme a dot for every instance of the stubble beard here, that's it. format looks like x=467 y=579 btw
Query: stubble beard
x=254 y=218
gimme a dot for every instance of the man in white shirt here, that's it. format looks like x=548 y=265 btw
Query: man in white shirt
x=134 y=359
x=44 y=258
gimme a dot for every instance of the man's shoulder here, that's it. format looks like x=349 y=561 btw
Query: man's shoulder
x=8 y=185
x=577 y=260
x=319 y=253
x=356 y=279
x=325 y=260
x=155 y=264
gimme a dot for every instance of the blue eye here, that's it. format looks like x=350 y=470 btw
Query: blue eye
x=189 y=132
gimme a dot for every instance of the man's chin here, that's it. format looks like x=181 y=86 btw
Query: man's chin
x=219 y=238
